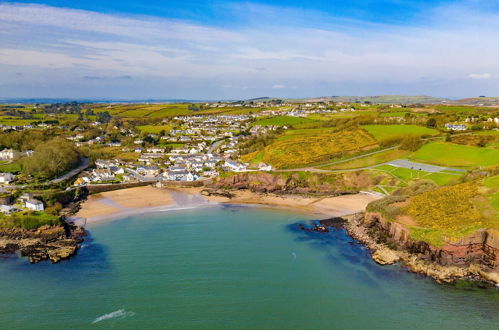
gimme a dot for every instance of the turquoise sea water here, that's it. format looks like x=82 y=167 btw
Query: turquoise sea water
x=229 y=268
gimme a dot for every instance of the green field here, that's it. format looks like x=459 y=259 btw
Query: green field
x=282 y=121
x=170 y=110
x=407 y=175
x=456 y=155
x=151 y=129
x=10 y=167
x=383 y=132
x=371 y=160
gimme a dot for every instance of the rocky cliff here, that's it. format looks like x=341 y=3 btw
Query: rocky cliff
x=472 y=257
x=53 y=243
x=293 y=183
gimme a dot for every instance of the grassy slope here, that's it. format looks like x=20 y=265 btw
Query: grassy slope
x=282 y=121
x=375 y=159
x=309 y=147
x=382 y=132
x=148 y=129
x=456 y=155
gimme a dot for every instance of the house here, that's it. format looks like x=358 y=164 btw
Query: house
x=234 y=166
x=6 y=209
x=456 y=127
x=180 y=176
x=7 y=178
x=8 y=154
x=264 y=167
x=35 y=205
x=156 y=150
x=148 y=171
x=103 y=174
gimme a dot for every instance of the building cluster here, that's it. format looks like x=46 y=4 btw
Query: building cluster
x=25 y=202
x=202 y=147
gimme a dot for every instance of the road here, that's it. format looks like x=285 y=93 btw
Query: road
x=421 y=167
x=70 y=174
x=215 y=146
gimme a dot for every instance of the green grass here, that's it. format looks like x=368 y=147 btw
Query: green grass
x=375 y=159
x=456 y=155
x=171 y=110
x=282 y=121
x=10 y=168
x=152 y=129
x=407 y=175
x=383 y=132
x=461 y=108
x=29 y=220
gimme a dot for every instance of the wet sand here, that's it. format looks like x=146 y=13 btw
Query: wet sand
x=131 y=200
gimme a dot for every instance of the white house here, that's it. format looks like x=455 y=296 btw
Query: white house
x=7 y=209
x=35 y=205
x=180 y=176
x=264 y=167
x=7 y=178
x=8 y=154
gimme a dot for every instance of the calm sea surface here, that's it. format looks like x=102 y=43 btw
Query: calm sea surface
x=229 y=268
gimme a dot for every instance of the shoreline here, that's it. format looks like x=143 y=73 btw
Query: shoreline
x=140 y=200
x=122 y=203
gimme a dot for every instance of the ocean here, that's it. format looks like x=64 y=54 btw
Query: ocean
x=229 y=267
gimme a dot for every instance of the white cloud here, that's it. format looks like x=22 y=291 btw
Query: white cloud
x=480 y=75
x=78 y=43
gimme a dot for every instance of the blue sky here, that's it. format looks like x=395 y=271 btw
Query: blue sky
x=228 y=49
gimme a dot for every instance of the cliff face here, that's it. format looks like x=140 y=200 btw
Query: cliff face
x=292 y=184
x=481 y=248
x=47 y=242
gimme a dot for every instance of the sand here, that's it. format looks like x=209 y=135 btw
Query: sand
x=123 y=201
x=143 y=199
x=325 y=206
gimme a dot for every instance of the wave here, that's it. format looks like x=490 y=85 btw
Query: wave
x=119 y=314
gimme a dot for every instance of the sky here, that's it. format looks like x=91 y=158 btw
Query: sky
x=210 y=50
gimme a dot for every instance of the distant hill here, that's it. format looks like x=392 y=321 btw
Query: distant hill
x=383 y=99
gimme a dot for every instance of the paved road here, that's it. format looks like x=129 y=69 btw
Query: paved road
x=70 y=174
x=215 y=146
x=421 y=167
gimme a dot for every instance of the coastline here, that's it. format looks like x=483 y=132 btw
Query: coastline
x=119 y=204
x=125 y=202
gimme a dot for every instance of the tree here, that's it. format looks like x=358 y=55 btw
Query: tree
x=104 y=117
x=50 y=159
x=432 y=123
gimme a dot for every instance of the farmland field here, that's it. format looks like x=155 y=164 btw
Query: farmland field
x=293 y=150
x=151 y=129
x=382 y=132
x=282 y=121
x=456 y=155
x=375 y=159
x=407 y=175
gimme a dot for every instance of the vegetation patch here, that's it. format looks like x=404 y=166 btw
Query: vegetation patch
x=282 y=121
x=456 y=155
x=385 y=132
x=299 y=150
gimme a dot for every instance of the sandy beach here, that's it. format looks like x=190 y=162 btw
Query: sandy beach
x=106 y=204
x=123 y=202
x=324 y=206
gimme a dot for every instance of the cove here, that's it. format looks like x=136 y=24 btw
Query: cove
x=229 y=267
